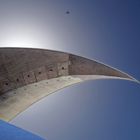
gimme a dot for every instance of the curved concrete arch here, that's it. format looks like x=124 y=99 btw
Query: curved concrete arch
x=28 y=75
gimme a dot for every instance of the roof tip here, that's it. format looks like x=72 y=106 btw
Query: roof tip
x=133 y=79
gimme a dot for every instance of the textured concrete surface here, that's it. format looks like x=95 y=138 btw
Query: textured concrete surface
x=28 y=75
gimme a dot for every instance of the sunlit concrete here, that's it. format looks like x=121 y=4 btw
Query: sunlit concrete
x=28 y=75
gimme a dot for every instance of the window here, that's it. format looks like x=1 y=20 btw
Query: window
x=6 y=84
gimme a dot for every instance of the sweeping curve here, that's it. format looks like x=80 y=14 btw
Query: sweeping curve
x=28 y=75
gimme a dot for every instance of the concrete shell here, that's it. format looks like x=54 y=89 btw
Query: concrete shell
x=28 y=75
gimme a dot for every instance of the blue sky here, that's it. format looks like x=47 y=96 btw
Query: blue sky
x=105 y=30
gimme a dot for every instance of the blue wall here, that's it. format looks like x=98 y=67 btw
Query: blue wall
x=10 y=132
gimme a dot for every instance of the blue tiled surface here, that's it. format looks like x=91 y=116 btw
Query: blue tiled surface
x=10 y=132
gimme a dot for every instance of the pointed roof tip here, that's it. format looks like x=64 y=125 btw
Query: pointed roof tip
x=124 y=75
x=85 y=66
x=130 y=78
x=135 y=80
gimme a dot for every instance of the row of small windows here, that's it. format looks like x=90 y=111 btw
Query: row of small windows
x=29 y=75
x=6 y=84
